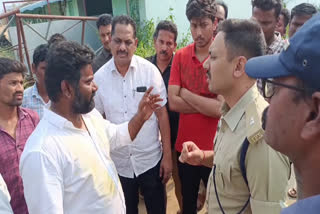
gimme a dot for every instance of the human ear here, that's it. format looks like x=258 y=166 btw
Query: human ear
x=311 y=128
x=239 y=68
x=66 y=89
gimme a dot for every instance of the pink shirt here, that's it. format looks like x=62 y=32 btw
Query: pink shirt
x=10 y=153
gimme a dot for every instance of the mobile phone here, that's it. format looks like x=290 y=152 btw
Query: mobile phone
x=141 y=89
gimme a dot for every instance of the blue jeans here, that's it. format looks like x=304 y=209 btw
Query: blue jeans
x=152 y=189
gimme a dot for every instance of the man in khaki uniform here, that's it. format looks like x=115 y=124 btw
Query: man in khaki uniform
x=265 y=170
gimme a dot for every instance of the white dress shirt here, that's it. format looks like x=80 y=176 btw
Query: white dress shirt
x=118 y=98
x=5 y=207
x=68 y=170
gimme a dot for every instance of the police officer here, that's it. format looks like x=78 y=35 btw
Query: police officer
x=293 y=118
x=248 y=176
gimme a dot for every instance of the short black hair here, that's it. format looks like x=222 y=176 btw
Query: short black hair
x=266 y=5
x=126 y=20
x=303 y=9
x=225 y=7
x=168 y=26
x=65 y=60
x=201 y=9
x=40 y=54
x=286 y=15
x=8 y=66
x=243 y=38
x=56 y=38
x=104 y=20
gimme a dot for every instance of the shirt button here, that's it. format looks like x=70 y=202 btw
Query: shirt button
x=130 y=155
x=125 y=96
x=125 y=112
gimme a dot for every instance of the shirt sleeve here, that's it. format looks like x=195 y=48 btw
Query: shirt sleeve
x=43 y=184
x=118 y=134
x=268 y=173
x=5 y=207
x=175 y=77
x=158 y=85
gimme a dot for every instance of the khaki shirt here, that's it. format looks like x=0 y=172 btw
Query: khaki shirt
x=267 y=170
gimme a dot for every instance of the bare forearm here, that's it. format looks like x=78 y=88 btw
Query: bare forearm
x=207 y=106
x=207 y=159
x=135 y=124
x=178 y=104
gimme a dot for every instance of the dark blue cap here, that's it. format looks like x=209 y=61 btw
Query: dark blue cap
x=300 y=59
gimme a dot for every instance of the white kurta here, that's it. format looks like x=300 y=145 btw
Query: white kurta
x=69 y=170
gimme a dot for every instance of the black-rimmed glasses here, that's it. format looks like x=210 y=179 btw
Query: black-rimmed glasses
x=269 y=87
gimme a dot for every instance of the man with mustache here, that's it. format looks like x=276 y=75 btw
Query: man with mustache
x=189 y=95
x=291 y=83
x=104 y=28
x=251 y=180
x=146 y=163
x=66 y=165
x=16 y=125
x=165 y=43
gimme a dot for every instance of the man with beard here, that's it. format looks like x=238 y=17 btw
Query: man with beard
x=66 y=166
x=146 y=163
x=104 y=28
x=16 y=125
x=291 y=83
x=248 y=176
x=189 y=95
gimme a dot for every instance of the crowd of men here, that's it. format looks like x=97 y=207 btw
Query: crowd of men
x=96 y=133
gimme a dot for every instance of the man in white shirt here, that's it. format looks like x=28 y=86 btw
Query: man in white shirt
x=144 y=164
x=5 y=207
x=66 y=165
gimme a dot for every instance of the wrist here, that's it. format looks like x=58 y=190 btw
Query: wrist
x=203 y=156
x=140 y=117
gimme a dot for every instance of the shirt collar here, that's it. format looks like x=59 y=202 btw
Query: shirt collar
x=193 y=51
x=233 y=116
x=57 y=120
x=133 y=64
x=35 y=92
x=21 y=115
x=154 y=61
x=276 y=41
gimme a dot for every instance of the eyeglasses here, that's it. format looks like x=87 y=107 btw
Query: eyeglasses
x=269 y=87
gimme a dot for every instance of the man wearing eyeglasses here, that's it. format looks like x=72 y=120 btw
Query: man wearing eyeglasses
x=251 y=180
x=293 y=118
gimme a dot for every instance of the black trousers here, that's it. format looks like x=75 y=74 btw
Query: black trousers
x=152 y=189
x=190 y=177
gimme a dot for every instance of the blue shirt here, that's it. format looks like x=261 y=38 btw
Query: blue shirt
x=33 y=100
x=309 y=205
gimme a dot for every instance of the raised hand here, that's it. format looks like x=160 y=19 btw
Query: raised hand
x=148 y=104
